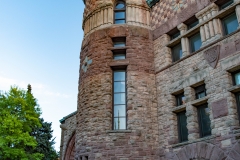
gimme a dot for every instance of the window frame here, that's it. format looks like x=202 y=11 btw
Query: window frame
x=119 y=10
x=180 y=134
x=119 y=50
x=199 y=89
x=237 y=95
x=119 y=69
x=223 y=26
x=178 y=99
x=200 y=121
x=190 y=42
x=172 y=49
x=233 y=77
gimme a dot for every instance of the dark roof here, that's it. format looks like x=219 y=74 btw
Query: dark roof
x=151 y=2
x=66 y=117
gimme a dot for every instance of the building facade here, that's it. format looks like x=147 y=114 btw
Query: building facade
x=158 y=80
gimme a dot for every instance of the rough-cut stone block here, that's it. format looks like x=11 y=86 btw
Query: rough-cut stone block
x=220 y=108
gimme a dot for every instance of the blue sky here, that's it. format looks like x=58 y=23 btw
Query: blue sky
x=40 y=44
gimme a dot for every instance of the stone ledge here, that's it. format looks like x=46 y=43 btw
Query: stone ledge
x=234 y=89
x=200 y=101
x=123 y=62
x=119 y=131
x=118 y=48
x=193 y=141
x=179 y=108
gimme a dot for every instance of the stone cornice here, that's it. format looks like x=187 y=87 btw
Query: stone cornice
x=151 y=2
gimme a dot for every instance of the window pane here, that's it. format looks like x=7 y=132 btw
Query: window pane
x=119 y=44
x=119 y=76
x=119 y=21
x=195 y=42
x=201 y=95
x=119 y=15
x=119 y=111
x=205 y=123
x=119 y=123
x=119 y=87
x=230 y=24
x=119 y=98
x=119 y=56
x=237 y=78
x=182 y=124
x=120 y=6
x=177 y=52
x=180 y=99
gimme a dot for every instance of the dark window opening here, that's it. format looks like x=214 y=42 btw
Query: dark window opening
x=182 y=126
x=200 y=91
x=119 y=41
x=204 y=120
x=174 y=33
x=238 y=105
x=195 y=42
x=177 y=52
x=120 y=13
x=230 y=23
x=236 y=78
x=86 y=157
x=180 y=99
x=224 y=3
x=119 y=54
x=191 y=22
x=119 y=100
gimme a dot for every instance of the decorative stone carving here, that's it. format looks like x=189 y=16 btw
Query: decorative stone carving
x=212 y=55
x=86 y=64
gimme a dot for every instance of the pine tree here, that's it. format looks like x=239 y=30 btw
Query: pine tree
x=19 y=114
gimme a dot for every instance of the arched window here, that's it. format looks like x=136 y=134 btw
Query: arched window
x=120 y=13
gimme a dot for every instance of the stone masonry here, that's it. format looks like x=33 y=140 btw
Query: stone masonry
x=153 y=80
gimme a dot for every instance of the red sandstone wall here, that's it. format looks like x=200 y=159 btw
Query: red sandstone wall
x=94 y=116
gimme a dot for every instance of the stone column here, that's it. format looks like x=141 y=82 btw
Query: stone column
x=184 y=41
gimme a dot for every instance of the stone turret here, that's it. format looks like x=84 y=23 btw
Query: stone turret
x=104 y=129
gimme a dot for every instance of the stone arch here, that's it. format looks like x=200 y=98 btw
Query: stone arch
x=200 y=151
x=70 y=150
x=234 y=153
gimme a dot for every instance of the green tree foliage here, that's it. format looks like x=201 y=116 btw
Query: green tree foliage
x=45 y=141
x=19 y=115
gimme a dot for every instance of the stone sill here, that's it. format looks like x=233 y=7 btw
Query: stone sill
x=190 y=32
x=179 y=108
x=119 y=131
x=122 y=62
x=234 y=89
x=118 y=48
x=193 y=141
x=200 y=101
